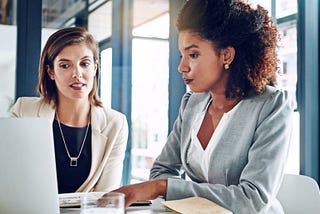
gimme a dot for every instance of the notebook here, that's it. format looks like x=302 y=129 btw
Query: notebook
x=27 y=167
x=195 y=205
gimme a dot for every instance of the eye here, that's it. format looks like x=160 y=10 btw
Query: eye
x=85 y=63
x=64 y=66
x=193 y=55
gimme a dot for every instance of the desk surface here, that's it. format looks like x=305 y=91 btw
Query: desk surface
x=130 y=210
x=155 y=208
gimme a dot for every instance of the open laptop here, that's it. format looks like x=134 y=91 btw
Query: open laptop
x=27 y=167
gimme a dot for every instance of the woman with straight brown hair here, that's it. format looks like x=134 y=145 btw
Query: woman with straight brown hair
x=89 y=139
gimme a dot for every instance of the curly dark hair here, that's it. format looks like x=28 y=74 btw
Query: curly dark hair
x=251 y=32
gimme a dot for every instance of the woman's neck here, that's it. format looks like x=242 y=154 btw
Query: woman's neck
x=75 y=114
x=221 y=103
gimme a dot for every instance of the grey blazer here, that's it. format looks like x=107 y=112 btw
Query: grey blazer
x=247 y=165
x=109 y=140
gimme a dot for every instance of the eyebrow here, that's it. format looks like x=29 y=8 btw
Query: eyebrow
x=191 y=46
x=61 y=60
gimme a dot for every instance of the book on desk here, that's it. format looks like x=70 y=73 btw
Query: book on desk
x=195 y=205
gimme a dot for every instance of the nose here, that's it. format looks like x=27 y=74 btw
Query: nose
x=77 y=73
x=183 y=66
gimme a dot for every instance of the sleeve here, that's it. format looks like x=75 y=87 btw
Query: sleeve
x=111 y=175
x=15 y=110
x=30 y=107
x=261 y=177
x=168 y=163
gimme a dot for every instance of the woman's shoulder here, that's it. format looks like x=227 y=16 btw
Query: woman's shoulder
x=27 y=100
x=28 y=103
x=29 y=106
x=109 y=114
x=273 y=97
x=112 y=112
x=271 y=93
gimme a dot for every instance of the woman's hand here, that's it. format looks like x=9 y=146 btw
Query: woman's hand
x=148 y=190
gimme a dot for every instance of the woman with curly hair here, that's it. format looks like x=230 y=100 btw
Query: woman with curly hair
x=232 y=134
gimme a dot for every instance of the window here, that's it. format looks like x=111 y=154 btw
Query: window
x=8 y=37
x=287 y=77
x=106 y=76
x=150 y=79
x=99 y=22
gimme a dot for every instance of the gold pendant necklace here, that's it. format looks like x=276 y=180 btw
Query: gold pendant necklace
x=73 y=160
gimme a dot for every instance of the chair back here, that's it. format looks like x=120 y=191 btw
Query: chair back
x=299 y=194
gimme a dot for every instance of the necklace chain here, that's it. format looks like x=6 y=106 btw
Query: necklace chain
x=73 y=160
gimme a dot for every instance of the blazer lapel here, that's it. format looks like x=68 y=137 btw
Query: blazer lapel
x=197 y=103
x=98 y=144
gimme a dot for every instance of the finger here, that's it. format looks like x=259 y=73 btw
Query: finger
x=101 y=202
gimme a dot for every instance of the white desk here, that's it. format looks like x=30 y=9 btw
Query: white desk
x=155 y=208
x=130 y=210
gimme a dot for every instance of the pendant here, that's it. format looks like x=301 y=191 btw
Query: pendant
x=73 y=161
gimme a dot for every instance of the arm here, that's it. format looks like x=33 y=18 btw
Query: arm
x=168 y=163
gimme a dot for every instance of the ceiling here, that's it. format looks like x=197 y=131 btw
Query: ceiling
x=147 y=10
x=57 y=12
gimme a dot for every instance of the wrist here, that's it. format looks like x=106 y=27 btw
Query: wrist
x=162 y=187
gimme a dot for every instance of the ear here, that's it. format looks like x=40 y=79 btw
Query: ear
x=228 y=54
x=96 y=67
x=50 y=72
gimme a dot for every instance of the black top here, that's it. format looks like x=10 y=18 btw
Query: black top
x=70 y=178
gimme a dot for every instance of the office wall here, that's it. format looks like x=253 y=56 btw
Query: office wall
x=7 y=67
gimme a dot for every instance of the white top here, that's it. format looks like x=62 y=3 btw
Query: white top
x=199 y=159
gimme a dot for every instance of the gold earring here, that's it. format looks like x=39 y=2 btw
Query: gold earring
x=226 y=66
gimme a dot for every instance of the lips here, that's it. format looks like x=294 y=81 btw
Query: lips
x=77 y=85
x=187 y=81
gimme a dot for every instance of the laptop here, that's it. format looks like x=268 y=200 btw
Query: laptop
x=27 y=167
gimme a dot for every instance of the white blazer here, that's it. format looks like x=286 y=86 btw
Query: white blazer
x=109 y=139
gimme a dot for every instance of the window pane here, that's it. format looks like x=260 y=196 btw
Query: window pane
x=100 y=22
x=150 y=82
x=55 y=13
x=151 y=18
x=287 y=76
x=8 y=36
x=287 y=79
x=150 y=73
x=157 y=28
x=285 y=8
x=8 y=45
x=106 y=76
x=8 y=12
x=264 y=3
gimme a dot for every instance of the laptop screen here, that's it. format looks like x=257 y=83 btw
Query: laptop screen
x=27 y=163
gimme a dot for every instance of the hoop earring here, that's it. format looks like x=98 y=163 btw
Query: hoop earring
x=226 y=66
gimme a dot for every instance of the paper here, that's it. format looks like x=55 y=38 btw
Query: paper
x=195 y=205
x=70 y=199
